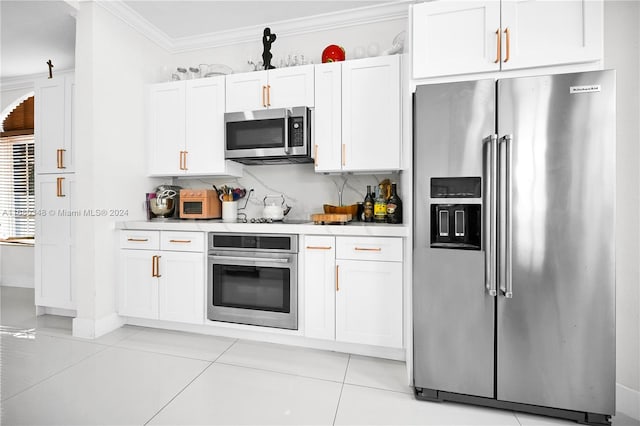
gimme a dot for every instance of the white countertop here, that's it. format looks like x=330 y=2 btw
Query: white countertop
x=216 y=225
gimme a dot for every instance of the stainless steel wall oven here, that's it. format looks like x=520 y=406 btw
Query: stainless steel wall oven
x=253 y=279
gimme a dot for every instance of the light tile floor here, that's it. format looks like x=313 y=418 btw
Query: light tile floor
x=139 y=376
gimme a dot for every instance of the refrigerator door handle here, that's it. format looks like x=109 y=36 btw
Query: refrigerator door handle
x=506 y=222
x=490 y=211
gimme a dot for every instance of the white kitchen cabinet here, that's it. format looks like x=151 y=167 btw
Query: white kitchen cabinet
x=466 y=37
x=357 y=115
x=186 y=129
x=319 y=286
x=276 y=88
x=162 y=284
x=53 y=242
x=369 y=302
x=54 y=124
x=353 y=289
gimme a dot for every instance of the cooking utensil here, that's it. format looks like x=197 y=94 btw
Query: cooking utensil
x=274 y=211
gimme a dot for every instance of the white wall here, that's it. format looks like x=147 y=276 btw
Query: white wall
x=16 y=266
x=622 y=52
x=113 y=65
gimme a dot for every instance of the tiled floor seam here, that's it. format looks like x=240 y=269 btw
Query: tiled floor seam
x=335 y=416
x=57 y=372
x=189 y=384
x=277 y=372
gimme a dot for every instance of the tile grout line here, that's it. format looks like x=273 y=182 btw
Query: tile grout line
x=189 y=384
x=335 y=416
x=266 y=370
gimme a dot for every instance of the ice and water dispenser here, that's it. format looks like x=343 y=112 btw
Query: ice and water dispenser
x=456 y=222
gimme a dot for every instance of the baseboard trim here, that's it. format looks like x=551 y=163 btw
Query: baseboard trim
x=627 y=401
x=19 y=285
x=88 y=328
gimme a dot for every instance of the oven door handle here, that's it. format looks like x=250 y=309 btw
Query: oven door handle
x=250 y=259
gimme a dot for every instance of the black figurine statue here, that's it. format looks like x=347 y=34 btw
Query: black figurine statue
x=267 y=40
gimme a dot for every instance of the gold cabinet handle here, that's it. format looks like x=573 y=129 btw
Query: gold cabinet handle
x=59 y=187
x=268 y=95
x=180 y=160
x=180 y=241
x=158 y=266
x=315 y=155
x=508 y=33
x=184 y=162
x=153 y=266
x=337 y=278
x=138 y=240
x=264 y=104
x=60 y=155
x=318 y=248
x=499 y=50
x=367 y=249
x=343 y=154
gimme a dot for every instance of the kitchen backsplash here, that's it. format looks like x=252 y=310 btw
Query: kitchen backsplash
x=304 y=190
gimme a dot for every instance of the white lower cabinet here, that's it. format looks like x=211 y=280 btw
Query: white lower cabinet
x=162 y=284
x=349 y=297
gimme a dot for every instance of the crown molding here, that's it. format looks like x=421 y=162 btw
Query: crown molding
x=327 y=21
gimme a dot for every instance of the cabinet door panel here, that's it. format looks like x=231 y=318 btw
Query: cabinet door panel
x=319 y=287
x=181 y=296
x=166 y=128
x=290 y=87
x=369 y=303
x=138 y=289
x=205 y=100
x=49 y=124
x=544 y=33
x=245 y=91
x=371 y=114
x=455 y=37
x=328 y=117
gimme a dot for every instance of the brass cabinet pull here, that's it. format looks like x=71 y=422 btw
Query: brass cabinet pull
x=60 y=155
x=181 y=160
x=499 y=50
x=179 y=241
x=508 y=33
x=315 y=156
x=337 y=278
x=367 y=249
x=138 y=240
x=268 y=95
x=184 y=162
x=153 y=266
x=343 y=155
x=59 y=187
x=158 y=266
x=264 y=104
x=318 y=248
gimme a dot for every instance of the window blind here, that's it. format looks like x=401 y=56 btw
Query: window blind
x=17 y=187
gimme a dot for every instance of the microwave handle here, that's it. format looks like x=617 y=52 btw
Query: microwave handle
x=286 y=131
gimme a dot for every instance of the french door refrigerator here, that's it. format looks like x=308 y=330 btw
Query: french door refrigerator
x=514 y=222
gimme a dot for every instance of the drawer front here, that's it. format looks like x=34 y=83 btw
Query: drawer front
x=369 y=248
x=182 y=241
x=142 y=240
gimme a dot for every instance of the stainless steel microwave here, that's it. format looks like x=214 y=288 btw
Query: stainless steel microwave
x=272 y=136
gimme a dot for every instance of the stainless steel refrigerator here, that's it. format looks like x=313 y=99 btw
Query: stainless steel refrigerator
x=514 y=244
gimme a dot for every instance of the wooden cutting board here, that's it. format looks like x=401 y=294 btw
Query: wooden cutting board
x=326 y=218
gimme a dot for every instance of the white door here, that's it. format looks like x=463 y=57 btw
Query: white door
x=52 y=254
x=371 y=114
x=327 y=126
x=166 y=128
x=319 y=287
x=369 y=302
x=138 y=287
x=290 y=87
x=246 y=92
x=50 y=125
x=455 y=37
x=205 y=102
x=543 y=33
x=181 y=296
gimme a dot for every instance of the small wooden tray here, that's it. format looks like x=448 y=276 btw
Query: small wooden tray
x=327 y=218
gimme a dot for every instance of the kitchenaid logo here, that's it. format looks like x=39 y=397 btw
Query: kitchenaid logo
x=585 y=89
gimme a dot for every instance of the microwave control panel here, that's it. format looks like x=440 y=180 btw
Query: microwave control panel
x=296 y=131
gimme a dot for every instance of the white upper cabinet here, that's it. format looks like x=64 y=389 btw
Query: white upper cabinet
x=456 y=37
x=276 y=88
x=186 y=128
x=371 y=111
x=327 y=128
x=54 y=124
